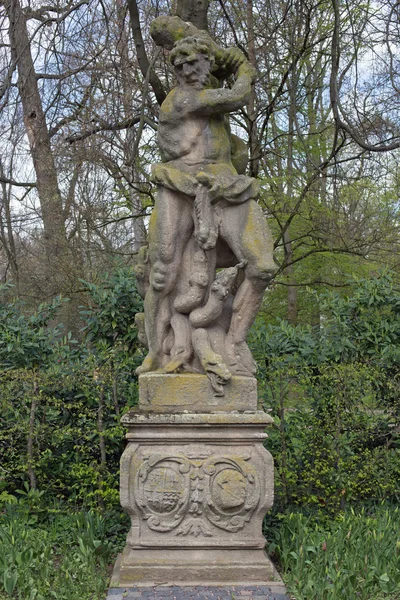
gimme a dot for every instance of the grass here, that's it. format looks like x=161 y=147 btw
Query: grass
x=355 y=557
x=64 y=557
x=48 y=554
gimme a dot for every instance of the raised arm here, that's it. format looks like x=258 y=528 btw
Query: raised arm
x=222 y=100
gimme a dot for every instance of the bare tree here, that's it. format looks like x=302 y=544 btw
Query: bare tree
x=86 y=80
x=38 y=134
x=364 y=82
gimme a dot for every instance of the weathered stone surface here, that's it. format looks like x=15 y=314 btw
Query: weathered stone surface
x=196 y=487
x=209 y=256
x=190 y=567
x=237 y=592
x=174 y=393
x=196 y=478
x=196 y=427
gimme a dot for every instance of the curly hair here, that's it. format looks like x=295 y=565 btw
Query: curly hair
x=193 y=44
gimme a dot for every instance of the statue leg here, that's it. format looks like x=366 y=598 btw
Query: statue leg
x=181 y=351
x=246 y=232
x=171 y=226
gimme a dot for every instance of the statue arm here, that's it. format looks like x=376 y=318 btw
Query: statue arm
x=211 y=101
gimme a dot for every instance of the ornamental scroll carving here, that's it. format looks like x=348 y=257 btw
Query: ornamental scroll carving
x=188 y=495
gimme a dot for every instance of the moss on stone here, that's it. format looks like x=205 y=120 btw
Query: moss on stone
x=165 y=31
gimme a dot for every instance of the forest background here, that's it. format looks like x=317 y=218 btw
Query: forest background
x=80 y=87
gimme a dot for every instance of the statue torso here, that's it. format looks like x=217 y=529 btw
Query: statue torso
x=186 y=135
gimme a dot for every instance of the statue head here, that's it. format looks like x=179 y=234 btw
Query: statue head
x=193 y=58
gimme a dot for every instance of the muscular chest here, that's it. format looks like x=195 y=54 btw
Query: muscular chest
x=196 y=137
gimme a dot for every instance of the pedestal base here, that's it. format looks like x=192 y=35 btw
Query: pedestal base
x=192 y=567
x=196 y=487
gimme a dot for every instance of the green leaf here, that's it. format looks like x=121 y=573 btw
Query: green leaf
x=10 y=581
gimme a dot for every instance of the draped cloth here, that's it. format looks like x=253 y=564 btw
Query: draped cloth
x=221 y=180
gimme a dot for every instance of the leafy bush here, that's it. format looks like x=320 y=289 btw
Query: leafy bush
x=334 y=392
x=62 y=400
x=65 y=558
x=332 y=448
x=356 y=556
x=26 y=340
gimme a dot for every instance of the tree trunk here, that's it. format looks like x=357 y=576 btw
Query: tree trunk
x=102 y=446
x=289 y=272
x=194 y=11
x=31 y=431
x=38 y=135
x=253 y=133
x=115 y=393
x=6 y=233
x=130 y=156
x=287 y=240
x=143 y=60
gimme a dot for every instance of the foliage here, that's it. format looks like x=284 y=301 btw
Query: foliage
x=76 y=394
x=362 y=325
x=114 y=302
x=26 y=341
x=334 y=394
x=67 y=454
x=333 y=448
x=356 y=556
x=65 y=558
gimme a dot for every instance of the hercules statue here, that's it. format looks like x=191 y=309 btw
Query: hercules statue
x=209 y=256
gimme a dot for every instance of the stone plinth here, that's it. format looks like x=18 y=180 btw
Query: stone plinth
x=187 y=391
x=196 y=486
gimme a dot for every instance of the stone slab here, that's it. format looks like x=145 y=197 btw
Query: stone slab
x=248 y=418
x=160 y=392
x=191 y=567
x=248 y=592
x=196 y=427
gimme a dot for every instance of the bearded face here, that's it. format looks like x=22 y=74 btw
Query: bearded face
x=192 y=70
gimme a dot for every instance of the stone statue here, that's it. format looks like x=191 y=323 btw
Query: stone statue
x=196 y=478
x=209 y=256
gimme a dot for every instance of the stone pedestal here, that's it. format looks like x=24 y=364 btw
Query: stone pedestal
x=196 y=486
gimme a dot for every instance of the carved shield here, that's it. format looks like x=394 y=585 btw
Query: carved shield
x=162 y=490
x=232 y=492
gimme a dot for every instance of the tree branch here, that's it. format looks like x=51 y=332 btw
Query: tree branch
x=125 y=124
x=144 y=63
x=341 y=119
x=4 y=179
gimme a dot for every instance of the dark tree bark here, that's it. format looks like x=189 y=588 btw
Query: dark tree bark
x=133 y=135
x=31 y=432
x=102 y=445
x=6 y=231
x=143 y=60
x=254 y=142
x=287 y=240
x=194 y=11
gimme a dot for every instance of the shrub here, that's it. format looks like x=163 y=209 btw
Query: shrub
x=355 y=556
